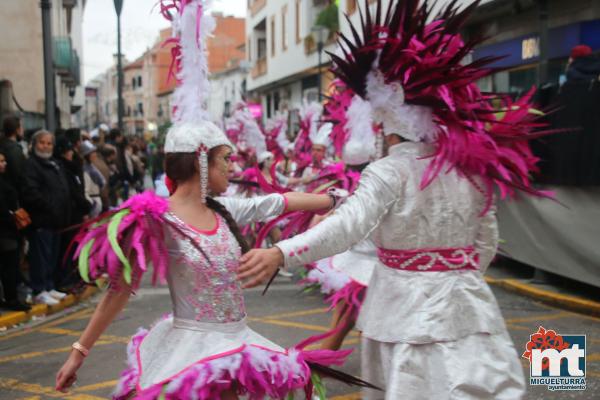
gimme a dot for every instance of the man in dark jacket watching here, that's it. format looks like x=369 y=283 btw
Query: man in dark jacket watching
x=9 y=145
x=46 y=196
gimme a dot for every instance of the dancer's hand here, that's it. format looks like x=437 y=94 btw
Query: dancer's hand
x=67 y=375
x=259 y=265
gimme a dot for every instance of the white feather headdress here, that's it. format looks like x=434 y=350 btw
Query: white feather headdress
x=192 y=130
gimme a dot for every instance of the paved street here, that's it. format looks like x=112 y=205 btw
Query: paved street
x=30 y=358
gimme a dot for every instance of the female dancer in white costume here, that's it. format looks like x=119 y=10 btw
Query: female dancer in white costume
x=204 y=350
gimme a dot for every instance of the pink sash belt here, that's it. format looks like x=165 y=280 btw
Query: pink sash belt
x=430 y=260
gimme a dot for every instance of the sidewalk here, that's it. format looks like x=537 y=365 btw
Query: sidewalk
x=554 y=290
x=9 y=319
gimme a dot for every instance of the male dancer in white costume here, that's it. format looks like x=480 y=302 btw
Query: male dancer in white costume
x=431 y=326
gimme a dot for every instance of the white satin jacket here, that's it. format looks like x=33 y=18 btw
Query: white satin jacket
x=390 y=207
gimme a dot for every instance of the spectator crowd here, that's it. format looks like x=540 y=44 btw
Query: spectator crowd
x=50 y=183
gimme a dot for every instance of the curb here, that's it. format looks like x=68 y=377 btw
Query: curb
x=571 y=303
x=10 y=319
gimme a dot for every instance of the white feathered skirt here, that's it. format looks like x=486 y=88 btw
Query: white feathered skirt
x=477 y=367
x=180 y=359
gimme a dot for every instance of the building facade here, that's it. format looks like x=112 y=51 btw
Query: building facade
x=133 y=97
x=281 y=48
x=22 y=62
x=227 y=65
x=91 y=108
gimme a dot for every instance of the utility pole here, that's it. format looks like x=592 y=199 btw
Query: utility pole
x=50 y=103
x=120 y=108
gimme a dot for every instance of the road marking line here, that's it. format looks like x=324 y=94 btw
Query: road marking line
x=543 y=317
x=299 y=325
x=13 y=384
x=58 y=321
x=71 y=332
x=351 y=396
x=31 y=398
x=592 y=373
x=97 y=386
x=517 y=327
x=345 y=343
x=297 y=313
x=593 y=357
x=579 y=315
x=33 y=354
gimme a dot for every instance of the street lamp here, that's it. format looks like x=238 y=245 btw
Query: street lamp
x=320 y=34
x=120 y=108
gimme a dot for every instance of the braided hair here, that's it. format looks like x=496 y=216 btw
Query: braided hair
x=179 y=167
x=233 y=226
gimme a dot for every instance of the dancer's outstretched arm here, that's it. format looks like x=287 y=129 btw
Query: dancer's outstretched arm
x=352 y=222
x=109 y=307
x=308 y=201
x=262 y=208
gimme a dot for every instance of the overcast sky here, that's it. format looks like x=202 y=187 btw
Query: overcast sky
x=140 y=24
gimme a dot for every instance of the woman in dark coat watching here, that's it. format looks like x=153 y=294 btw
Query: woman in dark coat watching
x=9 y=249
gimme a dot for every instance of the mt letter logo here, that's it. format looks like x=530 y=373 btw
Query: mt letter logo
x=557 y=361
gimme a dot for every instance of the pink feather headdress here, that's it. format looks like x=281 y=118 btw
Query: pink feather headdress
x=409 y=64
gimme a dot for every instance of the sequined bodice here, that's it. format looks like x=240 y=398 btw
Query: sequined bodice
x=202 y=290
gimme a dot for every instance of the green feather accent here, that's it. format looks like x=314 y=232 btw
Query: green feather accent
x=163 y=393
x=535 y=111
x=318 y=386
x=84 y=261
x=113 y=229
x=290 y=396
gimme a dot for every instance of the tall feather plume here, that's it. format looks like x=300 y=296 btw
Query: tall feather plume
x=192 y=26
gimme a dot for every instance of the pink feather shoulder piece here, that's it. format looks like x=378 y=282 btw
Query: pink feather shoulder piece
x=122 y=243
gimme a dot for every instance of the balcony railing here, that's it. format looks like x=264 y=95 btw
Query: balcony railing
x=66 y=61
x=260 y=68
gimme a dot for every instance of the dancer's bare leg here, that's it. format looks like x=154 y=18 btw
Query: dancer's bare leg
x=345 y=324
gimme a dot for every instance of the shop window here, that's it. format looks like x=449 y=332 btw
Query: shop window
x=262 y=48
x=521 y=80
